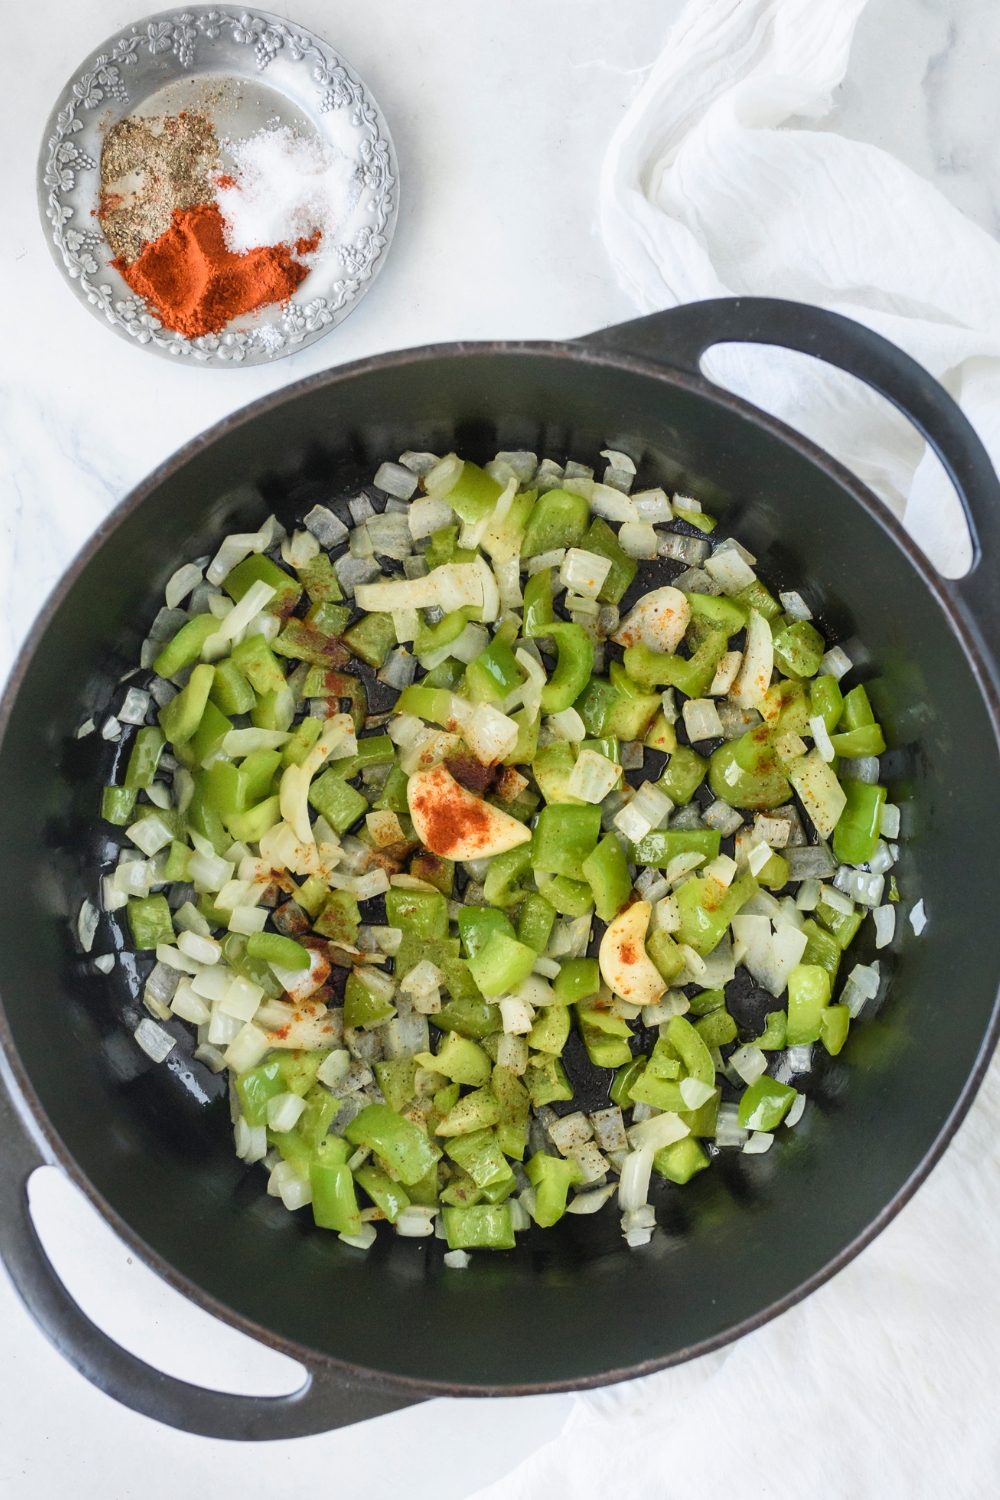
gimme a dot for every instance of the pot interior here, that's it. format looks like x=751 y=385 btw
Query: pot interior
x=573 y=1303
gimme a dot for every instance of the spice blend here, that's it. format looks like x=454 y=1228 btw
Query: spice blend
x=159 y=212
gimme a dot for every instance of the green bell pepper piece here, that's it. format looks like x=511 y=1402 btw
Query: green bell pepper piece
x=328 y=618
x=180 y=718
x=711 y=612
x=821 y=948
x=339 y=919
x=573 y=668
x=320 y=582
x=661 y=845
x=372 y=638
x=384 y=1193
x=577 y=978
x=559 y=519
x=680 y=1161
x=231 y=692
x=607 y=873
x=551 y=1177
x=717 y=1028
x=178 y=862
x=339 y=803
x=144 y=759
x=535 y=922
x=304 y=737
x=258 y=664
x=693 y=677
x=484 y=1226
x=334 y=1202
x=756 y=596
x=857 y=831
x=596 y=704
x=603 y=1050
x=473 y=1112
x=683 y=775
x=206 y=742
x=826 y=701
x=474 y=494
x=319 y=1114
x=707 y=1001
x=571 y=898
x=747 y=772
x=799 y=649
x=250 y=826
x=546 y=1081
x=694 y=1054
x=661 y=1093
x=564 y=836
x=501 y=887
x=470 y=1018
x=774 y=1037
x=703 y=1121
x=538 y=612
x=600 y=539
x=552 y=767
x=857 y=711
x=477 y=924
x=502 y=965
x=362 y=1007
x=432 y=637
x=118 y=805
x=259 y=1085
x=765 y=1104
x=551 y=1030
x=480 y=1156
x=667 y=957
x=422 y=912
x=185 y=648
x=275 y=949
x=705 y=914
x=493 y=675
x=150 y=921
x=808 y=995
x=834 y=1024
x=401 y=1144
x=234 y=951
x=395 y=1077
x=257 y=568
x=623 y=1080
x=459 y=1059
x=854 y=743
x=274 y=710
x=844 y=928
x=775 y=874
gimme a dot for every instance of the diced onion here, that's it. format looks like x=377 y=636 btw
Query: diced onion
x=633 y=1186
x=395 y=479
x=154 y=1041
x=918 y=918
x=86 y=925
x=885 y=925
x=729 y=570
x=749 y=1062
x=701 y=719
x=759 y=1142
x=638 y=539
x=835 y=663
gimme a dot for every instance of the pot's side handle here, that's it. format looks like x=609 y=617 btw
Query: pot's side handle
x=681 y=335
x=327 y=1400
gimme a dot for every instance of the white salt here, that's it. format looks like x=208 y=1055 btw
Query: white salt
x=287 y=188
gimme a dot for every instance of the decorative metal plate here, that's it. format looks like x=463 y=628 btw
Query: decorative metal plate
x=246 y=71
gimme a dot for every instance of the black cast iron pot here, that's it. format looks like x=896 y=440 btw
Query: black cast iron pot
x=571 y=1307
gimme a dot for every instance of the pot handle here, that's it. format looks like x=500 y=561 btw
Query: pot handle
x=681 y=335
x=330 y=1397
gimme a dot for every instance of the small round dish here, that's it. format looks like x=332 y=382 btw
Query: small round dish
x=247 y=71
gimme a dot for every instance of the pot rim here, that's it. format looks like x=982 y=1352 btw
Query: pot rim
x=964 y=627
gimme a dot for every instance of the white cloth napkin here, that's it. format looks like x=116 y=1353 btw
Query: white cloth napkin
x=710 y=188
x=882 y=1384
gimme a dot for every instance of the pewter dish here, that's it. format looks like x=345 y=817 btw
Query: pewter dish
x=246 y=71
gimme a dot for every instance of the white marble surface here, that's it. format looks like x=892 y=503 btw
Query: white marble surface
x=500 y=113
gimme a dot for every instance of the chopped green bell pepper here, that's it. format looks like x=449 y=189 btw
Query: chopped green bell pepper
x=680 y=1161
x=484 y=1226
x=401 y=1144
x=748 y=773
x=480 y=1156
x=826 y=701
x=535 y=922
x=857 y=831
x=573 y=668
x=765 y=1104
x=384 y=1193
x=150 y=921
x=502 y=965
x=551 y=1177
x=834 y=1024
x=774 y=1037
x=144 y=759
x=118 y=805
x=275 y=949
x=334 y=1202
x=855 y=743
x=661 y=845
x=577 y=978
x=363 y=1008
x=685 y=771
x=607 y=873
x=667 y=957
x=808 y=995
x=602 y=541
x=799 y=649
x=258 y=568
x=180 y=718
x=623 y=1080
x=546 y=1081
x=564 y=836
x=320 y=582
x=717 y=1029
x=339 y=803
x=422 y=912
x=706 y=910
x=559 y=519
x=843 y=927
x=231 y=692
x=185 y=648
x=474 y=494
x=550 y=1031
x=372 y=638
x=538 y=613
x=501 y=887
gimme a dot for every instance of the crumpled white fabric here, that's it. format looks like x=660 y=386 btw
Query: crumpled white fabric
x=882 y=1384
x=711 y=188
